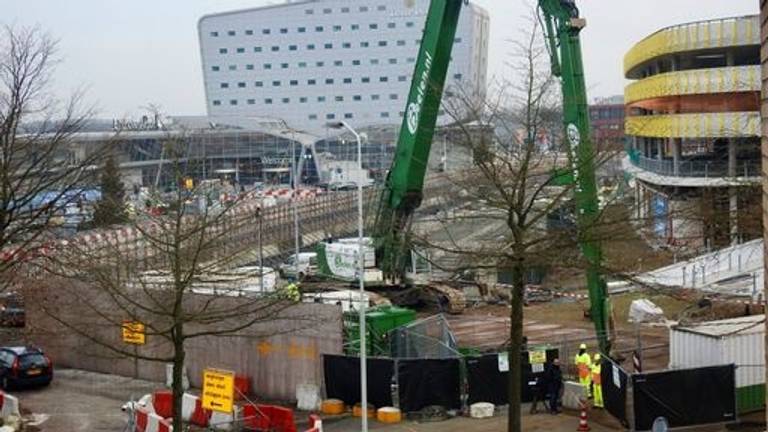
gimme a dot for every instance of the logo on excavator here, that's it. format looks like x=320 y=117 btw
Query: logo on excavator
x=574 y=139
x=414 y=108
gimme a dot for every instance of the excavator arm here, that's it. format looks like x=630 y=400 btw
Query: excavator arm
x=562 y=26
x=405 y=181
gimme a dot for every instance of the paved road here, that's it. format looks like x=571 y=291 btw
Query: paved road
x=78 y=401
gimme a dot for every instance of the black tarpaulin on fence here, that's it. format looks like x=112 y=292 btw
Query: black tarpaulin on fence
x=342 y=379
x=614 y=381
x=488 y=384
x=429 y=382
x=686 y=397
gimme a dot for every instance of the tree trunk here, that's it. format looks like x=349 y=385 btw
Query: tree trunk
x=515 y=384
x=177 y=385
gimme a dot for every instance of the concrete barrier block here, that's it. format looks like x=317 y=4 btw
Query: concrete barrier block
x=481 y=410
x=10 y=406
x=308 y=397
x=573 y=395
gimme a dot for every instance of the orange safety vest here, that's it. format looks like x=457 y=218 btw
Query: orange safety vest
x=596 y=378
x=583 y=365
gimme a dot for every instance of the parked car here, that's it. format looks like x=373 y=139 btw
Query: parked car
x=24 y=366
x=307 y=266
x=12 y=312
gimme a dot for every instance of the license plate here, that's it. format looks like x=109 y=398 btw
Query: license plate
x=34 y=372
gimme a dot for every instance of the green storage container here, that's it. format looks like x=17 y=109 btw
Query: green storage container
x=379 y=321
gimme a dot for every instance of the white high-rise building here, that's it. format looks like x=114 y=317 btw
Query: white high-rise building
x=310 y=62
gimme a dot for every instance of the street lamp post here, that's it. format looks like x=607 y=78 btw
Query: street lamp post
x=360 y=276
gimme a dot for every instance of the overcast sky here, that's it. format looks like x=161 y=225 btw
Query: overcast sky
x=131 y=53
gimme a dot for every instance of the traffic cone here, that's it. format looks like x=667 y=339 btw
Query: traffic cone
x=583 y=425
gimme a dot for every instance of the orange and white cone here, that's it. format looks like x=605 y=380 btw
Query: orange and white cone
x=583 y=425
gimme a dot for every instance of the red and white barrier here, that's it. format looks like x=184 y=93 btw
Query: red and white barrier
x=9 y=405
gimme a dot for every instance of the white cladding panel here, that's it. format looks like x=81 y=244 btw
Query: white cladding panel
x=312 y=62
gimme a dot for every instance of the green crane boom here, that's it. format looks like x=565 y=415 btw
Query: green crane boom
x=405 y=181
x=562 y=26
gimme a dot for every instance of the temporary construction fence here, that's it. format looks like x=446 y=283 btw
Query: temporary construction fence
x=413 y=384
x=430 y=337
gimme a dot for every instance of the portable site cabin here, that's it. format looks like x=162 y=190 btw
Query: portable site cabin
x=739 y=341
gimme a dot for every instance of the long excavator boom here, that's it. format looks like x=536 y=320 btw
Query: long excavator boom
x=562 y=26
x=405 y=181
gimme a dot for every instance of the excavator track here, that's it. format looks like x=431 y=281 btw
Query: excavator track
x=451 y=300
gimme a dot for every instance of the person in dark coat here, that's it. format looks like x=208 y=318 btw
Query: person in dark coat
x=553 y=377
x=539 y=394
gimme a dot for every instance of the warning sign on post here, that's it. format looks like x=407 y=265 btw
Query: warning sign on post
x=218 y=390
x=537 y=357
x=134 y=333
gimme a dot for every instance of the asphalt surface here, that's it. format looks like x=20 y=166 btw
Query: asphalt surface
x=78 y=401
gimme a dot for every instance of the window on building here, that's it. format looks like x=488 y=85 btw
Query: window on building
x=381 y=8
x=311 y=82
x=259 y=83
x=339 y=98
x=355 y=26
x=224 y=85
x=215 y=34
x=233 y=101
x=292 y=47
x=240 y=50
x=267 y=66
x=345 y=10
x=383 y=79
x=232 y=67
x=400 y=114
x=393 y=96
x=411 y=59
x=382 y=43
x=374 y=61
x=266 y=31
x=319 y=29
x=313 y=116
x=328 y=46
x=355 y=62
x=365 y=80
x=409 y=24
x=249 y=33
x=302 y=29
x=311 y=47
x=249 y=67
x=231 y=33
x=348 y=115
x=275 y=48
x=337 y=28
x=283 y=65
x=347 y=80
x=302 y=64
x=329 y=80
x=223 y=51
x=216 y=102
x=401 y=43
x=384 y=115
x=457 y=40
x=364 y=44
x=402 y=78
x=373 y=26
x=338 y=63
x=375 y=97
x=330 y=116
x=346 y=45
x=294 y=82
x=286 y=100
x=357 y=98
x=457 y=76
x=215 y=68
x=283 y=30
x=251 y=101
x=268 y=101
x=309 y=11
x=391 y=25
x=327 y=11
x=302 y=100
x=257 y=49
x=393 y=61
x=363 y=9
x=320 y=63
x=241 y=85
x=275 y=83
x=321 y=98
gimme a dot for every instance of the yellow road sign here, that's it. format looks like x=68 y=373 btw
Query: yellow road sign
x=218 y=390
x=537 y=357
x=134 y=333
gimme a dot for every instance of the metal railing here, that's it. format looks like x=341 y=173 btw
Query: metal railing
x=695 y=168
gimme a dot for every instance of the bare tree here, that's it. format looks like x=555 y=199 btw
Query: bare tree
x=40 y=170
x=181 y=277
